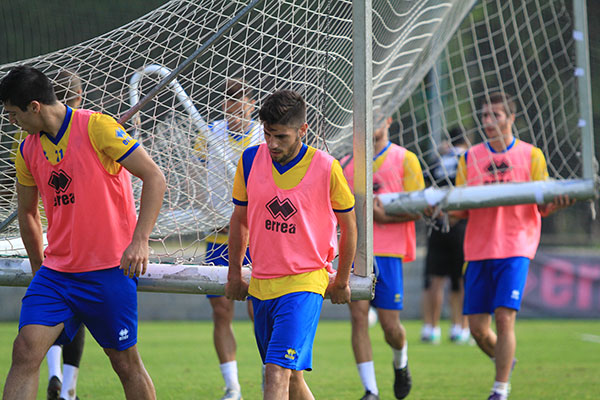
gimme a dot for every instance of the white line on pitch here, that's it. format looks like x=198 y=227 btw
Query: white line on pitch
x=586 y=337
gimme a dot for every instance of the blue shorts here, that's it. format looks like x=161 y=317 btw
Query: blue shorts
x=285 y=329
x=105 y=301
x=218 y=254
x=490 y=284
x=389 y=287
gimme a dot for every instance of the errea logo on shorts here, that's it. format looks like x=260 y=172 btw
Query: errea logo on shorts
x=123 y=334
x=515 y=295
x=291 y=354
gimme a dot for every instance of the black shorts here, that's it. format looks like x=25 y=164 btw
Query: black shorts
x=445 y=256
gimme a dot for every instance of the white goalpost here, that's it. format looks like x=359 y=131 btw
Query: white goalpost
x=427 y=63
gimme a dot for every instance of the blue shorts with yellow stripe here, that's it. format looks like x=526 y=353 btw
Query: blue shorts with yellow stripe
x=285 y=329
x=389 y=287
x=104 y=300
x=490 y=284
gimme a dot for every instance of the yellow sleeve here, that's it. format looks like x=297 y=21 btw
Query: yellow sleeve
x=461 y=172
x=239 y=193
x=342 y=198
x=413 y=174
x=24 y=177
x=110 y=139
x=539 y=170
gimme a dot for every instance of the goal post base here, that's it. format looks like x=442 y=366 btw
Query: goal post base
x=162 y=278
x=505 y=194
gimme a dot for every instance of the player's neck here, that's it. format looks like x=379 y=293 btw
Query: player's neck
x=380 y=145
x=502 y=143
x=53 y=117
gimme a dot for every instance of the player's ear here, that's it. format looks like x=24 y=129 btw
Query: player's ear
x=34 y=106
x=302 y=130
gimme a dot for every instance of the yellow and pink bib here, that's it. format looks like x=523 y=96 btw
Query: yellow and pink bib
x=91 y=212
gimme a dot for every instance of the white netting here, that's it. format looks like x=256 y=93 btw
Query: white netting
x=522 y=46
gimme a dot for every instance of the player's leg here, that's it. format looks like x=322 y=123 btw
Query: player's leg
x=45 y=316
x=55 y=376
x=222 y=314
x=506 y=343
x=29 y=349
x=224 y=341
x=285 y=329
x=389 y=297
x=108 y=306
x=510 y=275
x=277 y=382
x=299 y=390
x=72 y=353
x=131 y=371
x=437 y=301
x=361 y=344
x=481 y=330
x=478 y=303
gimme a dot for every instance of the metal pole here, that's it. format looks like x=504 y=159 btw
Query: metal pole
x=584 y=78
x=215 y=38
x=363 y=133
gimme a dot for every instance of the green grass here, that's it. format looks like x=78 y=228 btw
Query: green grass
x=554 y=363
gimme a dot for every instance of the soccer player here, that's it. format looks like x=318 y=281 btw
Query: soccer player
x=62 y=383
x=395 y=169
x=78 y=161
x=500 y=241
x=445 y=256
x=235 y=132
x=289 y=198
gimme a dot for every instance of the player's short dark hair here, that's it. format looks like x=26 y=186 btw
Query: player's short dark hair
x=510 y=107
x=457 y=135
x=67 y=85
x=24 y=84
x=237 y=89
x=284 y=107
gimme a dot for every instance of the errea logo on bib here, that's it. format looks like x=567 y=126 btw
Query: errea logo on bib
x=280 y=209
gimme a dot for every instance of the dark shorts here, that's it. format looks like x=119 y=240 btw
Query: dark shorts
x=105 y=301
x=445 y=256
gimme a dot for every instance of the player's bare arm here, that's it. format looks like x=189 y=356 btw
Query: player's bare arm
x=559 y=202
x=30 y=224
x=236 y=288
x=380 y=216
x=135 y=257
x=339 y=290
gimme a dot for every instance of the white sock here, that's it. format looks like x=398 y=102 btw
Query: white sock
x=426 y=330
x=436 y=331
x=69 y=385
x=456 y=330
x=230 y=375
x=366 y=371
x=501 y=388
x=401 y=356
x=53 y=358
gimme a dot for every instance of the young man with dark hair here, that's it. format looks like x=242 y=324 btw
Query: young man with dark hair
x=235 y=132
x=395 y=169
x=289 y=198
x=92 y=231
x=500 y=241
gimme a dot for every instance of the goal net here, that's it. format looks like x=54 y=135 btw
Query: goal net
x=432 y=62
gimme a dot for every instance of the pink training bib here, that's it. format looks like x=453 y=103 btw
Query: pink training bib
x=506 y=231
x=91 y=213
x=291 y=231
x=397 y=239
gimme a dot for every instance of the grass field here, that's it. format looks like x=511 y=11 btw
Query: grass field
x=558 y=359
